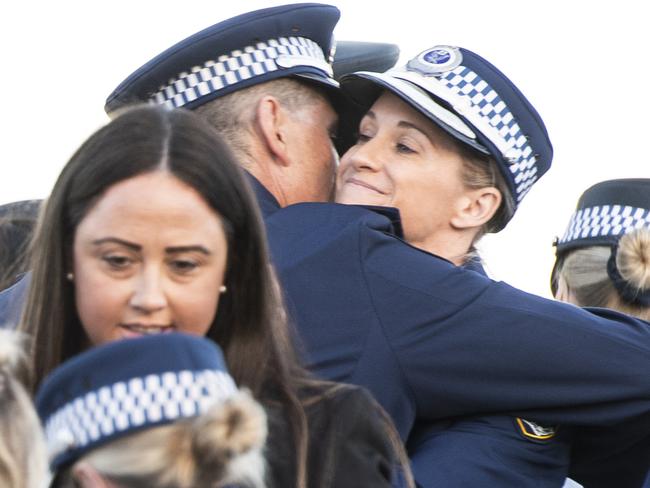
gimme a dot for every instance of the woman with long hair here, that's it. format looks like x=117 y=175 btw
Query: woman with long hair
x=151 y=228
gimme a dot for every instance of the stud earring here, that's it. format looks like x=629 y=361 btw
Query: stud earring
x=70 y=277
x=223 y=289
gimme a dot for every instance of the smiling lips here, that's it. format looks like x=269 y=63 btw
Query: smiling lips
x=354 y=181
x=134 y=330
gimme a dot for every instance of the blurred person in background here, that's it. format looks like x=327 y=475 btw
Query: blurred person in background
x=165 y=414
x=23 y=459
x=603 y=260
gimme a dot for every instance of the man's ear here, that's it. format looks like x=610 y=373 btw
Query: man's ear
x=86 y=476
x=272 y=119
x=476 y=208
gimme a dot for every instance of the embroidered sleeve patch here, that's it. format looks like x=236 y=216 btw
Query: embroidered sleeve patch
x=535 y=431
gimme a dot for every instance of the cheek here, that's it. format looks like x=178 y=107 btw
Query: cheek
x=100 y=303
x=195 y=307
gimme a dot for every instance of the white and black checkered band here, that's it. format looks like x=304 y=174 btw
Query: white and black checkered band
x=605 y=221
x=240 y=65
x=138 y=402
x=487 y=105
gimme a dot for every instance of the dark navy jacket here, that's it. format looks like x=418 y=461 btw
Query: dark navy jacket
x=11 y=301
x=493 y=451
x=434 y=341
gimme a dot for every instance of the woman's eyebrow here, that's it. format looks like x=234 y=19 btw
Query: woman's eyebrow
x=190 y=248
x=115 y=240
x=409 y=125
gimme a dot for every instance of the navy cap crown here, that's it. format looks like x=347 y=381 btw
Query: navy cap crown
x=117 y=389
x=606 y=211
x=234 y=54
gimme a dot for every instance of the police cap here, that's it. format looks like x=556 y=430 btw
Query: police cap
x=290 y=40
x=117 y=389
x=472 y=101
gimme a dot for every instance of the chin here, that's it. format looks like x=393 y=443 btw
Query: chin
x=353 y=198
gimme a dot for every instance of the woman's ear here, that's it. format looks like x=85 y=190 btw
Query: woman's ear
x=86 y=476
x=476 y=208
x=271 y=119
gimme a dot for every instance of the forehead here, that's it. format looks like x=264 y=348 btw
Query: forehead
x=392 y=110
x=391 y=107
x=150 y=200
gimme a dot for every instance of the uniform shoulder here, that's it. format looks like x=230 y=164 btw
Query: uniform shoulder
x=337 y=215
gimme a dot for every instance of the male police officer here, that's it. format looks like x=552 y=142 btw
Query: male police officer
x=429 y=339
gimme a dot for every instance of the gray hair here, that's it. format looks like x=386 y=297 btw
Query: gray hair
x=233 y=115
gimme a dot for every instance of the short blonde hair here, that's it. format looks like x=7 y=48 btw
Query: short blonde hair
x=481 y=171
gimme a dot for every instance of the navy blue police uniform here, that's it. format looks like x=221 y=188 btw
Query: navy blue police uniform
x=431 y=340
x=11 y=302
x=494 y=450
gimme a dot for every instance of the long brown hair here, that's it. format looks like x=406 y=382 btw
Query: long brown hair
x=249 y=325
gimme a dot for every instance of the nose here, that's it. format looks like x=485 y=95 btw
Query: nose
x=365 y=157
x=148 y=294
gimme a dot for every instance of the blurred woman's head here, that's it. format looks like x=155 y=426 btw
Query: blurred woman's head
x=448 y=140
x=23 y=461
x=165 y=414
x=603 y=258
x=152 y=228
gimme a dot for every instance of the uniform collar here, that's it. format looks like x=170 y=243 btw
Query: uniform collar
x=475 y=264
x=266 y=201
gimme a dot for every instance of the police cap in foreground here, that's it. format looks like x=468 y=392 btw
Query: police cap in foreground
x=125 y=386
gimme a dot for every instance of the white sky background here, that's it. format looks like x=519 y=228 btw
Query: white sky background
x=583 y=65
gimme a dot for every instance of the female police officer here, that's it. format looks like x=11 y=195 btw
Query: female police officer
x=415 y=153
x=603 y=260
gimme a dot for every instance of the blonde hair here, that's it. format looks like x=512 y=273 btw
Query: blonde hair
x=220 y=447
x=23 y=458
x=481 y=171
x=585 y=273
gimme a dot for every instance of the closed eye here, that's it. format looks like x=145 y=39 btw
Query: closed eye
x=117 y=262
x=183 y=266
x=404 y=149
x=361 y=138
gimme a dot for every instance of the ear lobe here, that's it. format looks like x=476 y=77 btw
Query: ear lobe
x=272 y=119
x=476 y=208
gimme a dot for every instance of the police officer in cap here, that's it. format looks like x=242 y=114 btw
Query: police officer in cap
x=457 y=163
x=603 y=260
x=432 y=340
x=285 y=53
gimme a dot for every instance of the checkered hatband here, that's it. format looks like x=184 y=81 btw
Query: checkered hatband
x=604 y=221
x=138 y=402
x=486 y=103
x=240 y=65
